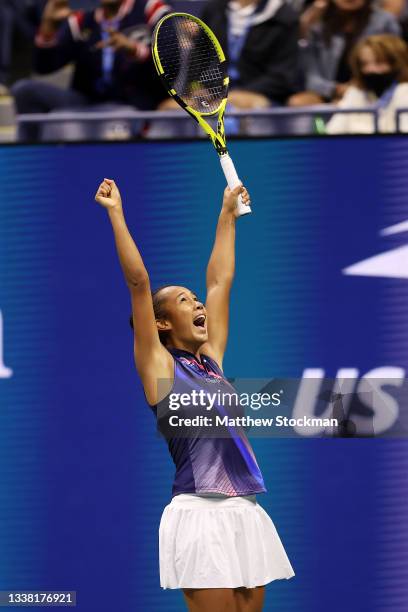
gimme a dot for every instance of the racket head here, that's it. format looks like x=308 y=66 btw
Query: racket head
x=191 y=63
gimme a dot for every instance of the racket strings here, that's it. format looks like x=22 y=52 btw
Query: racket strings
x=191 y=64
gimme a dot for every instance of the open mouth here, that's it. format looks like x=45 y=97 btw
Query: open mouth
x=199 y=321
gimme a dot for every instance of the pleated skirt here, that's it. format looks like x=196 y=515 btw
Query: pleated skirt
x=219 y=542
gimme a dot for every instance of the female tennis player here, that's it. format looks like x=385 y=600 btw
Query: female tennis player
x=216 y=542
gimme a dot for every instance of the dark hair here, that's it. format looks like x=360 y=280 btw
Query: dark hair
x=158 y=309
x=333 y=24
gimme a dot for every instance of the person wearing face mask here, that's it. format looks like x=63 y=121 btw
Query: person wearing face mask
x=379 y=66
x=328 y=40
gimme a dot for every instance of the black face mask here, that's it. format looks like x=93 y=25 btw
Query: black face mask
x=378 y=82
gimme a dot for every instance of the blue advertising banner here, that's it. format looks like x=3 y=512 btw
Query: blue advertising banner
x=321 y=289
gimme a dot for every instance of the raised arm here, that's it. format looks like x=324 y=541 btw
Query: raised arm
x=220 y=275
x=54 y=44
x=152 y=360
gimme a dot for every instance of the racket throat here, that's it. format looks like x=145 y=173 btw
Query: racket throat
x=220 y=142
x=217 y=138
x=220 y=147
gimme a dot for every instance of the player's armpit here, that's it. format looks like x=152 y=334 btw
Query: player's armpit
x=217 y=307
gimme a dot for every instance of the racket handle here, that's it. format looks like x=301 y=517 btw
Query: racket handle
x=233 y=181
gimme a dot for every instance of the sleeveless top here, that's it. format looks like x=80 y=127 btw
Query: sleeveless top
x=207 y=463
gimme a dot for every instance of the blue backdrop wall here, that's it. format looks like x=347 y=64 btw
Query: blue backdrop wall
x=83 y=475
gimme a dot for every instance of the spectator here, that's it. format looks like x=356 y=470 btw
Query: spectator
x=311 y=15
x=109 y=48
x=396 y=7
x=379 y=67
x=260 y=42
x=399 y=8
x=329 y=42
x=15 y=16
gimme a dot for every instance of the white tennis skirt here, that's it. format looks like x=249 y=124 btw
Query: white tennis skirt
x=219 y=542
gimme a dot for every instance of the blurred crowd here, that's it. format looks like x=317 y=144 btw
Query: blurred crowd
x=94 y=55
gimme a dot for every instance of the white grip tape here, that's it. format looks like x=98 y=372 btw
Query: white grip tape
x=233 y=180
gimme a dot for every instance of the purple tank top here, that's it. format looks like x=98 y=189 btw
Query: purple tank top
x=211 y=464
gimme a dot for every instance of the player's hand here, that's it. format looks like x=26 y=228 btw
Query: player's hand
x=108 y=195
x=230 y=200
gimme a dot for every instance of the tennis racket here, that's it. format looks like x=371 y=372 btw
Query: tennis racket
x=191 y=64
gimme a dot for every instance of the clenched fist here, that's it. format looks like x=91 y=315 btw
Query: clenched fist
x=108 y=195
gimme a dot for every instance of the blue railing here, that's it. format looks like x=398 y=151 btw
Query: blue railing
x=398 y=113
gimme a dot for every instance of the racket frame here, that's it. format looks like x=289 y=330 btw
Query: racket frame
x=218 y=138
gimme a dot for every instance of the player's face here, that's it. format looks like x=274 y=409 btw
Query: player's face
x=187 y=316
